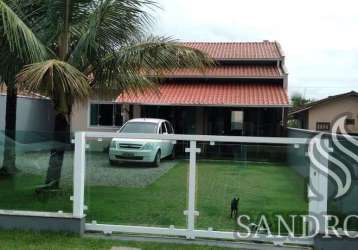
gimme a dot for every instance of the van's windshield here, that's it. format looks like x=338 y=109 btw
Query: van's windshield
x=140 y=128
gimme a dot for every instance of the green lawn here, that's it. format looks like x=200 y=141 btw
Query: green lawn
x=49 y=241
x=262 y=188
x=18 y=193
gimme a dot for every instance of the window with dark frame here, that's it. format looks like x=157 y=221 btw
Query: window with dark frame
x=105 y=115
x=323 y=126
x=350 y=121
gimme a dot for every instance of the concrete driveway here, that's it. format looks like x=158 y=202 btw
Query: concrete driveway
x=98 y=170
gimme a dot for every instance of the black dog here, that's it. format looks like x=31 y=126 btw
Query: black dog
x=234 y=207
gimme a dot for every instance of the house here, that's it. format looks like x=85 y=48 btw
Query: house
x=245 y=93
x=34 y=116
x=320 y=115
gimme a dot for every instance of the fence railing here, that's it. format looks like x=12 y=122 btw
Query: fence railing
x=316 y=207
x=187 y=197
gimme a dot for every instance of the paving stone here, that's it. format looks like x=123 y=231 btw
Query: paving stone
x=100 y=172
x=125 y=248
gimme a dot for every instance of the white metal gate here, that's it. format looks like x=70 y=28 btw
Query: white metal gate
x=317 y=207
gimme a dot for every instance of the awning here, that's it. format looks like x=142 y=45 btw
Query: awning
x=212 y=94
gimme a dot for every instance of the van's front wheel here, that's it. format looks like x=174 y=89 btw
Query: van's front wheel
x=172 y=155
x=112 y=163
x=156 y=162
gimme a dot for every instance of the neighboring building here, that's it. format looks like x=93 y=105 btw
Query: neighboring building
x=245 y=93
x=320 y=115
x=34 y=116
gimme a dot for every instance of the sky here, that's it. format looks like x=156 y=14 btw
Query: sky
x=319 y=37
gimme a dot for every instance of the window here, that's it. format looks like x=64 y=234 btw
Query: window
x=106 y=115
x=162 y=129
x=237 y=120
x=350 y=121
x=140 y=128
x=323 y=126
x=169 y=128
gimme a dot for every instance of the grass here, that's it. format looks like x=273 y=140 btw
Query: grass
x=50 y=241
x=159 y=204
x=18 y=193
x=263 y=189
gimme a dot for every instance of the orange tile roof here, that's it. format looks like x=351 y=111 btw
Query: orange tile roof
x=211 y=94
x=239 y=50
x=229 y=71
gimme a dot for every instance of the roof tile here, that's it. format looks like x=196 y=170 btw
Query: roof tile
x=230 y=71
x=211 y=94
x=238 y=50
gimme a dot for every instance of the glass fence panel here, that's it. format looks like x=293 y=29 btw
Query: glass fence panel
x=36 y=172
x=126 y=186
x=344 y=205
x=252 y=180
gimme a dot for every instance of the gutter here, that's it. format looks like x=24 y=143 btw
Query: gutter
x=205 y=77
x=35 y=97
x=299 y=111
x=273 y=59
x=211 y=105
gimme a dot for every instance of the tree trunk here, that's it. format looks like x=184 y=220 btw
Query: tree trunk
x=62 y=140
x=9 y=167
x=63 y=108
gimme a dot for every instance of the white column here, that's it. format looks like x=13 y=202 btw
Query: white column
x=318 y=193
x=191 y=212
x=125 y=112
x=137 y=110
x=79 y=174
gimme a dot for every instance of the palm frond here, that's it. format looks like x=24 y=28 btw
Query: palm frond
x=138 y=67
x=53 y=76
x=125 y=81
x=111 y=24
x=52 y=13
x=21 y=39
x=111 y=77
x=154 y=55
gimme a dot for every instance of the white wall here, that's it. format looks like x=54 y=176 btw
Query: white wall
x=329 y=112
x=80 y=119
x=2 y=111
x=35 y=116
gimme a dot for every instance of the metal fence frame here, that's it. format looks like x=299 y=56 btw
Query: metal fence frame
x=316 y=207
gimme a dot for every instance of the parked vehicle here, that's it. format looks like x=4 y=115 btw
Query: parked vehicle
x=142 y=150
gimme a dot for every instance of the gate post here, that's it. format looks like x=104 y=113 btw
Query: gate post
x=318 y=193
x=79 y=174
x=191 y=212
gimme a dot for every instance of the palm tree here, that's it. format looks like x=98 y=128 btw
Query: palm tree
x=81 y=48
x=10 y=64
x=9 y=154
